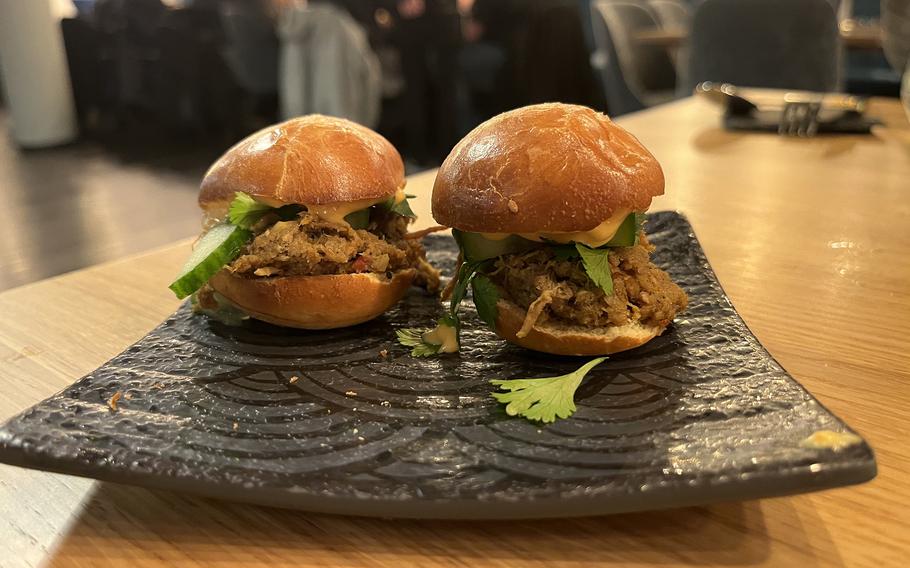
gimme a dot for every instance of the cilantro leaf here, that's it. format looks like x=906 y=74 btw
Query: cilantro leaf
x=424 y=347
x=413 y=337
x=245 y=211
x=486 y=294
x=416 y=337
x=402 y=207
x=463 y=277
x=597 y=265
x=543 y=400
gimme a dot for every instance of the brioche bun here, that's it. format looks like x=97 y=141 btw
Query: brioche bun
x=544 y=168
x=311 y=160
x=314 y=302
x=570 y=340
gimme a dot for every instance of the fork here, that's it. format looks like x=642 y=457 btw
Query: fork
x=799 y=118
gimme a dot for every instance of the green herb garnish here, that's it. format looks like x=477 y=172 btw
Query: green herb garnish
x=245 y=211
x=485 y=295
x=463 y=277
x=413 y=337
x=402 y=207
x=543 y=400
x=361 y=219
x=597 y=266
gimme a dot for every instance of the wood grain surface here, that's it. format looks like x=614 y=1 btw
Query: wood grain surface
x=810 y=238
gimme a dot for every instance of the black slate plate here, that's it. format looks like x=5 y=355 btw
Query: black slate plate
x=701 y=414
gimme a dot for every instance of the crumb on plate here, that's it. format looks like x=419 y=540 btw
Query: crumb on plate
x=112 y=403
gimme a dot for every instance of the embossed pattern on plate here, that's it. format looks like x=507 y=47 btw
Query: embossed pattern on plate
x=322 y=421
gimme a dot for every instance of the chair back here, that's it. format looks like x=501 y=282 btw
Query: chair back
x=671 y=13
x=676 y=15
x=630 y=71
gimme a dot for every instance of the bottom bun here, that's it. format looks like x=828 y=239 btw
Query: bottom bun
x=314 y=302
x=562 y=339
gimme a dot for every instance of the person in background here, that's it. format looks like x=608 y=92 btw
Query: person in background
x=427 y=36
x=546 y=57
x=493 y=34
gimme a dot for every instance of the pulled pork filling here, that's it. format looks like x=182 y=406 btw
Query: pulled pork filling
x=311 y=246
x=559 y=291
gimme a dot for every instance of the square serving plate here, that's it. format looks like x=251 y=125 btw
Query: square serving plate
x=321 y=421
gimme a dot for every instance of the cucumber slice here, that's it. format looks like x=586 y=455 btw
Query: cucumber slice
x=476 y=247
x=359 y=219
x=627 y=233
x=216 y=248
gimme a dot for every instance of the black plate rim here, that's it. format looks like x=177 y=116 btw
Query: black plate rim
x=778 y=483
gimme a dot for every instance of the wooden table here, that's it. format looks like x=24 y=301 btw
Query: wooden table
x=810 y=238
x=853 y=35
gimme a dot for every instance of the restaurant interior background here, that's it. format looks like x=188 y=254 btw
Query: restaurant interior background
x=160 y=88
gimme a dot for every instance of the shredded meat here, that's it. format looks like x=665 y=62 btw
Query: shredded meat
x=553 y=289
x=310 y=246
x=537 y=307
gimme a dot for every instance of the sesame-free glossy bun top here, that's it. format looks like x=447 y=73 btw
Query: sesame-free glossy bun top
x=311 y=160
x=544 y=168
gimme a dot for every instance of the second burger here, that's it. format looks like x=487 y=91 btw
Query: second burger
x=547 y=204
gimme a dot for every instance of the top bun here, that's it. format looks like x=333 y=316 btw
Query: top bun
x=544 y=168
x=310 y=160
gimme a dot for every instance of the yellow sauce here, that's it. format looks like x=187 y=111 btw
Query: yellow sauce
x=596 y=237
x=830 y=440
x=336 y=212
x=332 y=212
x=444 y=336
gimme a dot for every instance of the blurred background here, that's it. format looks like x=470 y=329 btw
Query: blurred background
x=112 y=109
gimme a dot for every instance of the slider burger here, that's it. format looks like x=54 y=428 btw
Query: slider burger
x=546 y=203
x=305 y=225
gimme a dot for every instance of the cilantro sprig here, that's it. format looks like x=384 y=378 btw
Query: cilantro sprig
x=485 y=295
x=413 y=337
x=543 y=400
x=245 y=211
x=402 y=207
x=597 y=265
